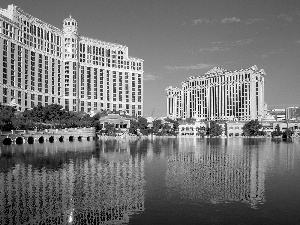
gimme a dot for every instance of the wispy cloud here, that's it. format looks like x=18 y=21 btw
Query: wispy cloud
x=221 y=46
x=227 y=20
x=243 y=42
x=285 y=17
x=203 y=20
x=190 y=67
x=273 y=52
x=288 y=17
x=150 y=76
x=214 y=49
x=231 y=20
x=297 y=12
x=216 y=42
x=264 y=56
x=254 y=20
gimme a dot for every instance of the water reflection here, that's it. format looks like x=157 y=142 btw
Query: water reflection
x=284 y=157
x=104 y=182
x=221 y=170
x=90 y=186
x=202 y=172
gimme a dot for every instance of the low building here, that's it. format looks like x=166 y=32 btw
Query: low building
x=235 y=129
x=116 y=119
x=196 y=129
x=268 y=127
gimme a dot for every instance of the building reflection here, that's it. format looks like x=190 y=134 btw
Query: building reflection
x=285 y=154
x=103 y=188
x=216 y=175
x=103 y=182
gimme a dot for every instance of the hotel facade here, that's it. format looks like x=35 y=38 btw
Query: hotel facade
x=219 y=95
x=41 y=65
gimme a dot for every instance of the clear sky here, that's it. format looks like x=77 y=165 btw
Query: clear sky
x=182 y=38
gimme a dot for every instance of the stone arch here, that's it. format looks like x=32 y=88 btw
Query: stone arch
x=30 y=140
x=61 y=138
x=71 y=138
x=51 y=139
x=41 y=139
x=7 y=141
x=19 y=140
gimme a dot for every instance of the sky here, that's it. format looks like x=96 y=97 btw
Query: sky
x=182 y=38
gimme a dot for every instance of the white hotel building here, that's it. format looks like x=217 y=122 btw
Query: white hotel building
x=219 y=95
x=42 y=64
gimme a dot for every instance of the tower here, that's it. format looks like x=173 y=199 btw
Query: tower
x=71 y=64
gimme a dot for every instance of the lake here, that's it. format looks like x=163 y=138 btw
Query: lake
x=159 y=181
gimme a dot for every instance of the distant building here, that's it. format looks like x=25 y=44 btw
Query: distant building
x=292 y=113
x=293 y=126
x=220 y=95
x=268 y=118
x=41 y=64
x=278 y=114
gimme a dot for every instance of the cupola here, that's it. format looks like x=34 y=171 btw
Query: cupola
x=70 y=25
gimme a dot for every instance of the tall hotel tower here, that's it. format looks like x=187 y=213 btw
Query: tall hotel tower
x=41 y=64
x=219 y=95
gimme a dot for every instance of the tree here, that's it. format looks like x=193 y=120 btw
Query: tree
x=110 y=129
x=226 y=128
x=19 y=122
x=56 y=117
x=134 y=126
x=37 y=114
x=95 y=121
x=166 y=129
x=277 y=132
x=97 y=116
x=157 y=125
x=252 y=128
x=190 y=120
x=143 y=125
x=104 y=113
x=287 y=133
x=214 y=129
x=7 y=115
x=174 y=122
x=175 y=125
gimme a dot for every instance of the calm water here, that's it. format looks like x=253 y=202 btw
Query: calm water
x=162 y=181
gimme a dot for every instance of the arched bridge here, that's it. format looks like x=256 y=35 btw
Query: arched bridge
x=51 y=135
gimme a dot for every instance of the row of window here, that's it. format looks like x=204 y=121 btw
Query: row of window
x=30 y=100
x=33 y=36
x=18 y=96
x=100 y=56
